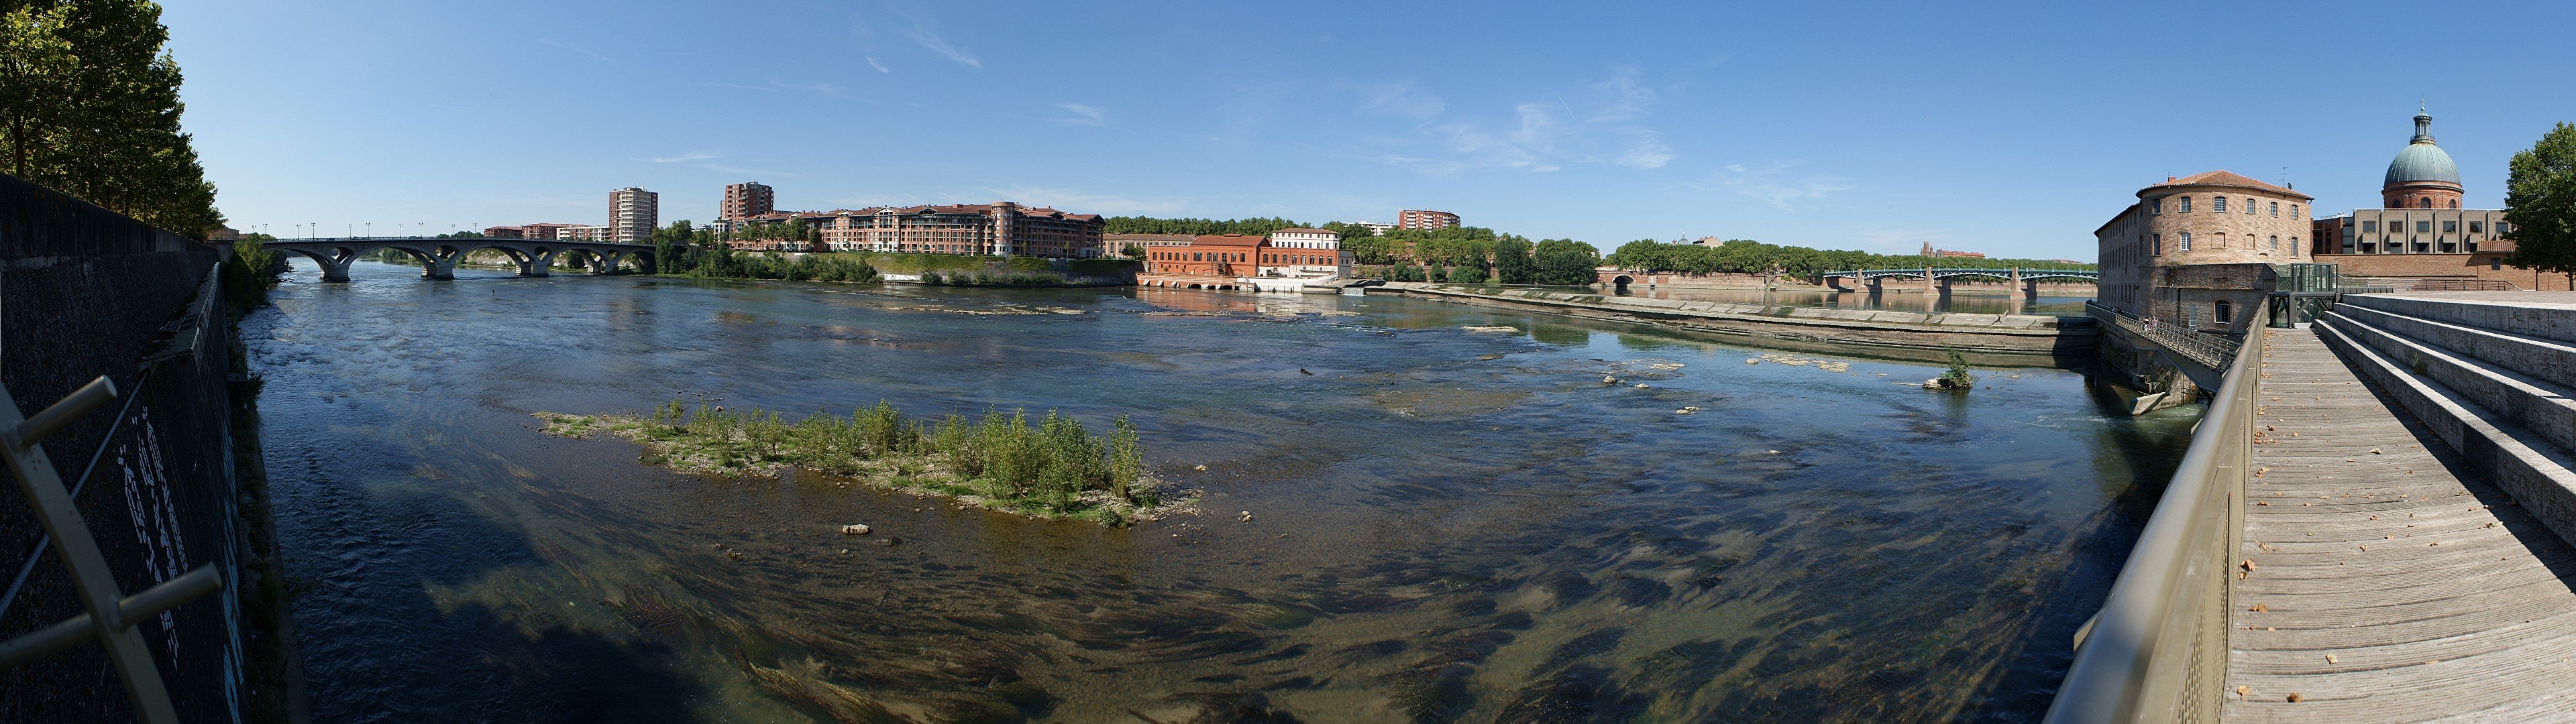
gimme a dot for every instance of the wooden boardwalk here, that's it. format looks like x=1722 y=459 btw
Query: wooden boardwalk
x=2388 y=583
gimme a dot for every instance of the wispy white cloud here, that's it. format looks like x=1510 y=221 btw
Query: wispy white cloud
x=707 y=160
x=1774 y=185
x=872 y=63
x=574 y=48
x=1401 y=99
x=1088 y=203
x=823 y=88
x=1603 y=123
x=1082 y=115
x=925 y=38
x=690 y=156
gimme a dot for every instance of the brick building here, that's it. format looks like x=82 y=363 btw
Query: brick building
x=1284 y=261
x=1115 y=245
x=1421 y=219
x=2158 y=256
x=1001 y=228
x=746 y=200
x=2420 y=233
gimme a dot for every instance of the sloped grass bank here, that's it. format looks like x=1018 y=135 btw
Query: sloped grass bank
x=1051 y=469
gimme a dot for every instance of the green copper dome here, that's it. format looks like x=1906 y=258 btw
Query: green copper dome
x=2422 y=161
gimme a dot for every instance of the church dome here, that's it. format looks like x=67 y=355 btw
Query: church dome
x=2422 y=161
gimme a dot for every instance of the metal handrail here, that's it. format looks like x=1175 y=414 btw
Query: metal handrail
x=2213 y=352
x=2157 y=651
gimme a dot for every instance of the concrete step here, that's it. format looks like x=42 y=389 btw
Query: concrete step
x=2539 y=405
x=2539 y=475
x=2556 y=321
x=2543 y=358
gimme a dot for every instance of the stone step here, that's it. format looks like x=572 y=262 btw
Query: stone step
x=2553 y=321
x=2541 y=406
x=2539 y=475
x=2543 y=358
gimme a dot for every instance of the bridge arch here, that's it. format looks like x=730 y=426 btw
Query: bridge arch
x=1620 y=283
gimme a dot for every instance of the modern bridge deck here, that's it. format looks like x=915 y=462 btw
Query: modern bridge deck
x=2397 y=586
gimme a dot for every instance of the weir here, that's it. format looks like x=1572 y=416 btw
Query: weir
x=2372 y=524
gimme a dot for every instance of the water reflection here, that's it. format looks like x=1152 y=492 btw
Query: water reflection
x=1450 y=525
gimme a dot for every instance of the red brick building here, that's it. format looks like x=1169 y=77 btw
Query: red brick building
x=1422 y=219
x=749 y=199
x=1207 y=262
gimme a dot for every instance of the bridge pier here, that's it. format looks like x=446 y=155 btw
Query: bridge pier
x=334 y=270
x=539 y=262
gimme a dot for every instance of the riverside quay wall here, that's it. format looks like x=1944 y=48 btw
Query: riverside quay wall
x=1738 y=280
x=85 y=292
x=1895 y=332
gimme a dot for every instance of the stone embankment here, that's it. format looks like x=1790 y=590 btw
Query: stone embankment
x=1984 y=333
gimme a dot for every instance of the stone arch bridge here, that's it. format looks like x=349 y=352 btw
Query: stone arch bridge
x=1937 y=280
x=438 y=257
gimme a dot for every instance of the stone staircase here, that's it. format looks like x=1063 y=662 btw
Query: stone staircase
x=2492 y=380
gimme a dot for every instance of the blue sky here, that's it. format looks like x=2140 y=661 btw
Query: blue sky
x=2009 y=129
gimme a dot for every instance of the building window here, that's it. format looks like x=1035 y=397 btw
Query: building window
x=2477 y=227
x=2276 y=243
x=2223 y=312
x=2186 y=205
x=2495 y=264
x=2218 y=204
x=2155 y=206
x=2423 y=227
x=2450 y=227
x=2455 y=203
x=2423 y=203
x=2369 y=227
x=2158 y=245
x=2276 y=208
x=2186 y=242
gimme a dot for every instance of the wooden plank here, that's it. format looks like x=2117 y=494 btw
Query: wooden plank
x=2436 y=596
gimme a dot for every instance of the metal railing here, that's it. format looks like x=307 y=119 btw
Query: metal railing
x=2466 y=285
x=2157 y=651
x=2211 y=351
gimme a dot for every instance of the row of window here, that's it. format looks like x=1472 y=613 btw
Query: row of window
x=1297 y=259
x=2426 y=227
x=1196 y=256
x=2218 y=205
x=2157 y=243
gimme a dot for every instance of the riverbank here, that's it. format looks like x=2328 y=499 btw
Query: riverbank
x=2018 y=334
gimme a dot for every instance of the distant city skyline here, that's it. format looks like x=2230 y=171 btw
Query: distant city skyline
x=2008 y=132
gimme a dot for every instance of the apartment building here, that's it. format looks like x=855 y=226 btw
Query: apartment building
x=632 y=214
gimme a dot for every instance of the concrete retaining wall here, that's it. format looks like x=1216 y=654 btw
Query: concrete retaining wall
x=83 y=293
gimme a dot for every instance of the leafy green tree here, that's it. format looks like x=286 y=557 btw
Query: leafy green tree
x=2540 y=204
x=1133 y=251
x=1370 y=249
x=1567 y=262
x=1644 y=254
x=1466 y=274
x=1514 y=262
x=89 y=106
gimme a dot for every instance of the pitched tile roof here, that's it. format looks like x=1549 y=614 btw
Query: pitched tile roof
x=2224 y=178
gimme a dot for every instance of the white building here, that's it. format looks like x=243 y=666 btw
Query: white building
x=1306 y=254
x=588 y=233
x=632 y=214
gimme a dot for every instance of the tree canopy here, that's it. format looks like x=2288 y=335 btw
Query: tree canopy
x=89 y=106
x=2540 y=204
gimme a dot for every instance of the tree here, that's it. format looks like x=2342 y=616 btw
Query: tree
x=1133 y=251
x=2540 y=204
x=1513 y=263
x=89 y=106
x=1567 y=262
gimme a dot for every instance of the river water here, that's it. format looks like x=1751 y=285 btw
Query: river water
x=1448 y=524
